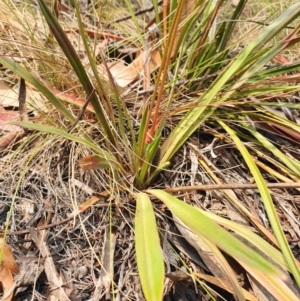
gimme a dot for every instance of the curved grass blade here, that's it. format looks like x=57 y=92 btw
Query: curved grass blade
x=212 y=257
x=106 y=156
x=292 y=164
x=200 y=223
x=27 y=76
x=250 y=236
x=148 y=251
x=92 y=60
x=77 y=66
x=268 y=203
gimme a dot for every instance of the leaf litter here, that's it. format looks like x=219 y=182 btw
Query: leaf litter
x=70 y=257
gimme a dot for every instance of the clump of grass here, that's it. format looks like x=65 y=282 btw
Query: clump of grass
x=197 y=76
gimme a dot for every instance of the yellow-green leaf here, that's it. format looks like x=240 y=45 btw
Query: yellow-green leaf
x=148 y=251
x=204 y=226
x=268 y=203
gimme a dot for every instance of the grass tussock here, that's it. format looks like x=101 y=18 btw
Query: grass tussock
x=133 y=110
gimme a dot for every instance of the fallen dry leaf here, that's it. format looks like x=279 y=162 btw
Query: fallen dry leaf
x=267 y=287
x=8 y=257
x=6 y=117
x=281 y=59
x=122 y=74
x=7 y=268
x=71 y=99
x=56 y=280
x=7 y=282
x=8 y=96
x=93 y=162
x=7 y=139
x=235 y=2
x=224 y=284
x=87 y=204
x=103 y=285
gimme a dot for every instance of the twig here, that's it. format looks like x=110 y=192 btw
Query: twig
x=23 y=232
x=231 y=186
x=137 y=13
x=183 y=82
x=22 y=102
x=64 y=143
x=82 y=111
x=253 y=21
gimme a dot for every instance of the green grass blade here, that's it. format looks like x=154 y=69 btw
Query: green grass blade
x=148 y=164
x=215 y=260
x=200 y=223
x=230 y=26
x=184 y=129
x=267 y=114
x=292 y=164
x=278 y=70
x=92 y=60
x=221 y=260
x=265 y=36
x=27 y=76
x=266 y=58
x=148 y=251
x=134 y=18
x=268 y=203
x=250 y=236
x=199 y=114
x=87 y=142
x=77 y=66
x=123 y=117
x=140 y=141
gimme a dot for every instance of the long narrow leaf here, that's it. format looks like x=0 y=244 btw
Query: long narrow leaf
x=268 y=203
x=27 y=76
x=212 y=257
x=250 y=236
x=89 y=143
x=148 y=251
x=203 y=225
x=292 y=164
x=184 y=129
x=76 y=64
